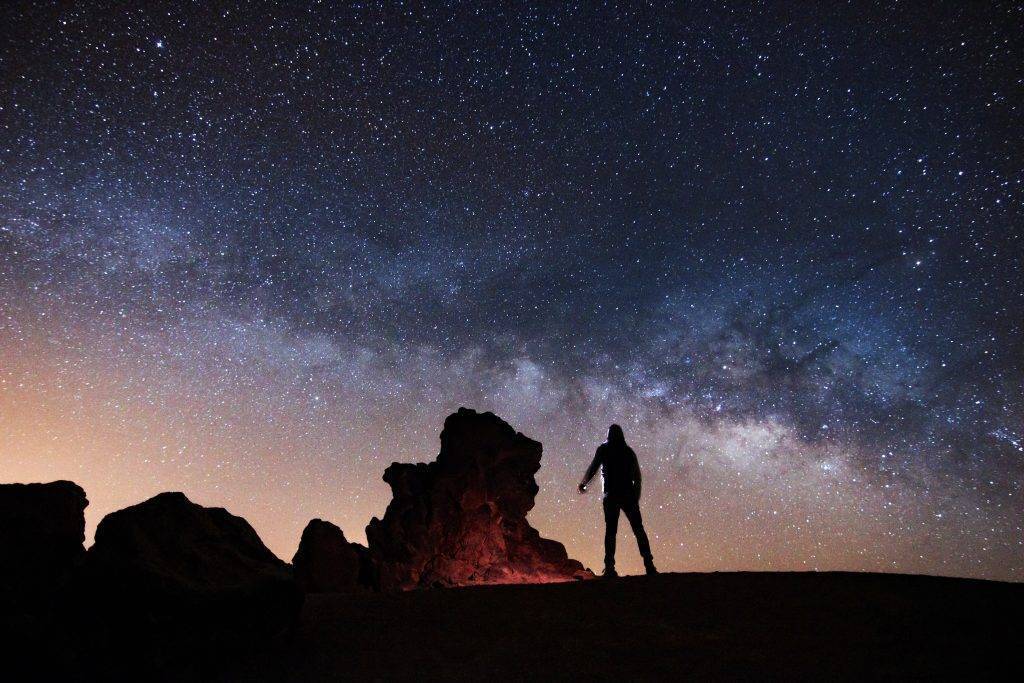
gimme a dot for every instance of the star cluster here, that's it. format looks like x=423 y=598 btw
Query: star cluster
x=258 y=251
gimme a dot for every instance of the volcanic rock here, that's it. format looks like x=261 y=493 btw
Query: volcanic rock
x=172 y=584
x=42 y=529
x=461 y=520
x=326 y=562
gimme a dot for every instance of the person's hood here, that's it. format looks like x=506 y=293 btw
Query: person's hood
x=615 y=434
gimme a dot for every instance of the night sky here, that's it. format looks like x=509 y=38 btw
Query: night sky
x=257 y=252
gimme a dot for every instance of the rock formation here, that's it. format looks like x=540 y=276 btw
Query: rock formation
x=326 y=562
x=42 y=531
x=199 y=578
x=461 y=520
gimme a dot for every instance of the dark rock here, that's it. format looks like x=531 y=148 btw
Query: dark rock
x=42 y=531
x=461 y=520
x=174 y=585
x=326 y=562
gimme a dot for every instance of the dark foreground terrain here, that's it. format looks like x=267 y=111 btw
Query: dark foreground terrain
x=824 y=626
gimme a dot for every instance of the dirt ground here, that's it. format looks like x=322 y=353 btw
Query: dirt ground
x=824 y=626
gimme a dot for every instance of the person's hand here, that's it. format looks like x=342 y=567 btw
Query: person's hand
x=582 y=488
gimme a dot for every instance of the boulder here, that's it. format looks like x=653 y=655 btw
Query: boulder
x=42 y=531
x=326 y=562
x=174 y=585
x=461 y=520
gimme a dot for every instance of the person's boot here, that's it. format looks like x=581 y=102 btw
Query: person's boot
x=609 y=573
x=649 y=566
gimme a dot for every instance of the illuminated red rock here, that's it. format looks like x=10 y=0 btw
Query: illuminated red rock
x=461 y=520
x=326 y=562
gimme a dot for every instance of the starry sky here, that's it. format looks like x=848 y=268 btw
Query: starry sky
x=258 y=251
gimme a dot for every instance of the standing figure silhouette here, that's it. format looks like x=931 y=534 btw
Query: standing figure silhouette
x=620 y=473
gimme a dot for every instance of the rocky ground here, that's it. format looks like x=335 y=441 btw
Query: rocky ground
x=824 y=626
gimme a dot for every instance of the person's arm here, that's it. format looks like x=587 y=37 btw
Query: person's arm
x=637 y=477
x=591 y=471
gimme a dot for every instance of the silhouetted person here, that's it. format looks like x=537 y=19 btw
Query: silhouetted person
x=620 y=473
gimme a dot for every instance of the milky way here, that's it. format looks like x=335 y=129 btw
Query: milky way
x=258 y=252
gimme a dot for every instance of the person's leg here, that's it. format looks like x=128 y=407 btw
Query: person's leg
x=632 y=511
x=611 y=526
